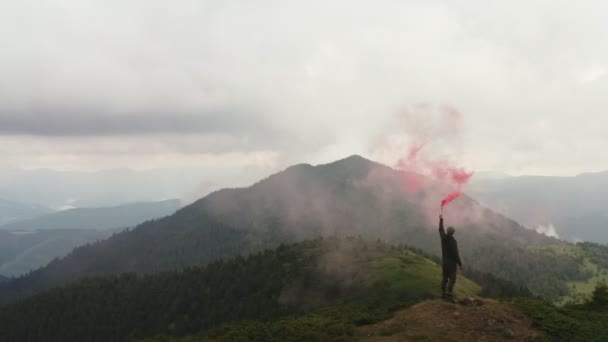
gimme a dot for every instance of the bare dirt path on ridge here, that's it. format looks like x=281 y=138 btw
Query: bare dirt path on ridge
x=438 y=320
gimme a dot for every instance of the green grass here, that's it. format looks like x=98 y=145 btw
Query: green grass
x=569 y=323
x=564 y=249
x=416 y=276
x=387 y=279
x=580 y=291
x=328 y=324
x=396 y=280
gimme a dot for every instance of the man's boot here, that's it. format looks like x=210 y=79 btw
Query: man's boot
x=450 y=298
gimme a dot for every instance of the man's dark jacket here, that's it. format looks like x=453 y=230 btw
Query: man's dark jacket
x=449 y=248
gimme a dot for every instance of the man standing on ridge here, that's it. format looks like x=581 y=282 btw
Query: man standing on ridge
x=450 y=260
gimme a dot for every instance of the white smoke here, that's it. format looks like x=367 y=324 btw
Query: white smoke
x=548 y=230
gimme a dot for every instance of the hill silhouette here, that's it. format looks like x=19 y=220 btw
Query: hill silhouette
x=350 y=197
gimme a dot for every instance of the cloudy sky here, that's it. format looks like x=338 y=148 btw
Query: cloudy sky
x=259 y=85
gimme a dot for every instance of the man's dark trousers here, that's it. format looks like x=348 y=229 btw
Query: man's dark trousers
x=449 y=278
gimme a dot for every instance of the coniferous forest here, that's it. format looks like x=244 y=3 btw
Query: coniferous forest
x=345 y=274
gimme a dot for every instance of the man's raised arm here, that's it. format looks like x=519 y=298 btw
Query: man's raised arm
x=441 y=230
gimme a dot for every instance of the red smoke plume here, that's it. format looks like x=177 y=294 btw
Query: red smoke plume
x=438 y=169
x=459 y=177
x=450 y=197
x=422 y=132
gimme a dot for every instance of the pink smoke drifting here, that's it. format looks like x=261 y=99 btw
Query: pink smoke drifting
x=422 y=131
x=459 y=177
x=450 y=197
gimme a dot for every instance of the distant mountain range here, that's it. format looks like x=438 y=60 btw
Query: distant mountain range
x=121 y=216
x=11 y=211
x=350 y=197
x=574 y=208
x=30 y=244
x=71 y=189
x=26 y=251
x=81 y=189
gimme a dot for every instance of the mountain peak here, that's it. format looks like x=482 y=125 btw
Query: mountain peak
x=355 y=158
x=354 y=162
x=354 y=165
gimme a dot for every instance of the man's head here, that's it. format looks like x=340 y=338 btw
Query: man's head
x=451 y=231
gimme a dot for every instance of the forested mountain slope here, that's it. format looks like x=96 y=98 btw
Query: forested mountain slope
x=357 y=281
x=317 y=290
x=21 y=252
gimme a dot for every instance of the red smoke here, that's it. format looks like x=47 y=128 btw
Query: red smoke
x=422 y=133
x=413 y=181
x=414 y=151
x=438 y=169
x=450 y=197
x=459 y=177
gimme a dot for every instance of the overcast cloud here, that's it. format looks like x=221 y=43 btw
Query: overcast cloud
x=143 y=84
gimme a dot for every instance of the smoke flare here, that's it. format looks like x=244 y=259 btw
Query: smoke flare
x=460 y=177
x=450 y=197
x=423 y=131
